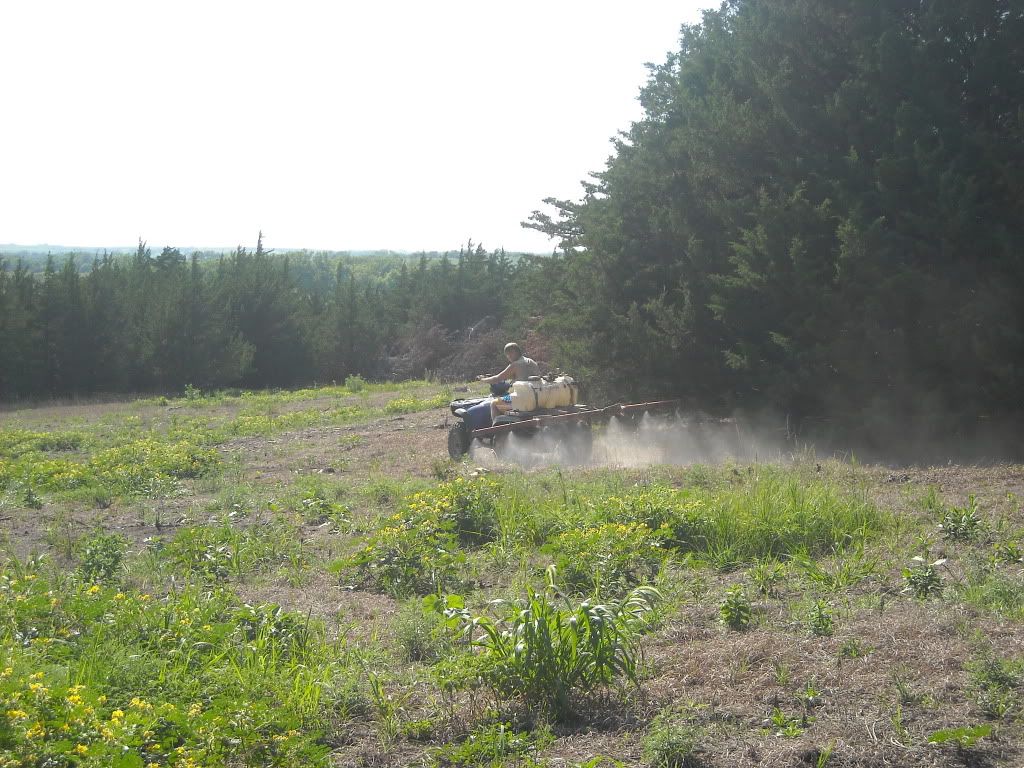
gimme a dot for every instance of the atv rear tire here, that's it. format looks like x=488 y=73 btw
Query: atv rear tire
x=458 y=440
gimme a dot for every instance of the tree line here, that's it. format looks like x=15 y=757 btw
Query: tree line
x=821 y=214
x=250 y=318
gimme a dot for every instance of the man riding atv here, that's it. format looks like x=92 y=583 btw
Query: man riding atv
x=520 y=368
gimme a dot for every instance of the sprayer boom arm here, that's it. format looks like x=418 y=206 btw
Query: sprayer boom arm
x=589 y=414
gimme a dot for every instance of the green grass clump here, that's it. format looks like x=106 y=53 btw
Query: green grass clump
x=550 y=653
x=996 y=682
x=773 y=514
x=672 y=741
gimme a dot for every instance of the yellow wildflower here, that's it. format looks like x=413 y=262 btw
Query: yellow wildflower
x=93 y=589
x=81 y=749
x=36 y=731
x=117 y=714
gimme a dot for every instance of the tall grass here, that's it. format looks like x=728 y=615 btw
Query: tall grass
x=550 y=652
x=772 y=512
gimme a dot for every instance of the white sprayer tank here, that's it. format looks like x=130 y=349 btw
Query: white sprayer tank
x=534 y=395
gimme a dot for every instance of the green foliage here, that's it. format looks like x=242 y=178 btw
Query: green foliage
x=140 y=466
x=995 y=591
x=549 y=656
x=416 y=551
x=1008 y=551
x=790 y=727
x=93 y=675
x=407 y=556
x=771 y=515
x=845 y=570
x=415 y=404
x=422 y=632
x=923 y=579
x=735 y=611
x=853 y=648
x=961 y=523
x=672 y=741
x=767 y=574
x=820 y=621
x=964 y=736
x=221 y=550
x=101 y=556
x=609 y=558
x=493 y=745
x=995 y=682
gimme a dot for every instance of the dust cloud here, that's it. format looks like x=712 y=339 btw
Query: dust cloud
x=644 y=440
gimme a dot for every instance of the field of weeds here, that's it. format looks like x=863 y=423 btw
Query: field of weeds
x=304 y=578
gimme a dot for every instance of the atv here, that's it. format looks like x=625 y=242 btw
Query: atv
x=568 y=429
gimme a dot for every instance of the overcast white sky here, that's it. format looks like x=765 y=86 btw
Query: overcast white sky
x=329 y=125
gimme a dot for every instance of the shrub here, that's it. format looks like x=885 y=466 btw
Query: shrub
x=101 y=557
x=961 y=523
x=923 y=579
x=735 y=610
